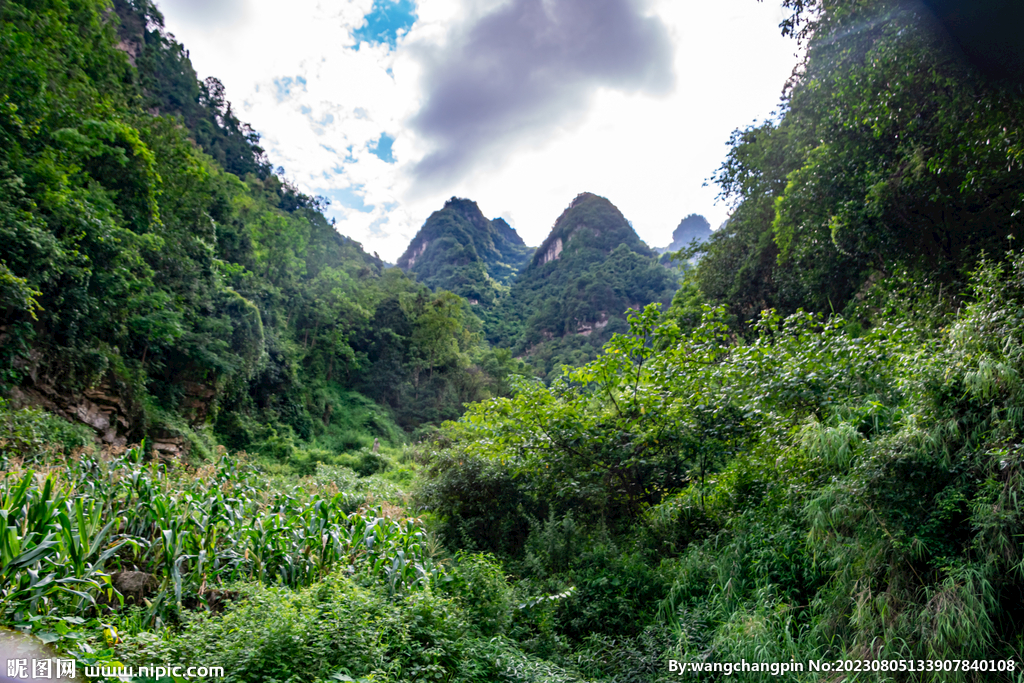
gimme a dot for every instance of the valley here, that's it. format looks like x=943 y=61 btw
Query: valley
x=231 y=437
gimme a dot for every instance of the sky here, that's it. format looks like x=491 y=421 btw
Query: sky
x=389 y=107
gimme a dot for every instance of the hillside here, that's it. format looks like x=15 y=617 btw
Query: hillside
x=459 y=250
x=693 y=227
x=848 y=188
x=573 y=294
x=231 y=439
x=158 y=280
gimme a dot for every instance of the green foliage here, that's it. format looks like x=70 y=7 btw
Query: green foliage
x=479 y=502
x=195 y=533
x=738 y=262
x=614 y=435
x=124 y=179
x=51 y=547
x=573 y=295
x=478 y=581
x=457 y=249
x=367 y=602
x=822 y=490
x=358 y=490
x=847 y=185
x=339 y=631
x=32 y=435
x=617 y=593
x=169 y=86
x=16 y=293
x=884 y=553
x=610 y=657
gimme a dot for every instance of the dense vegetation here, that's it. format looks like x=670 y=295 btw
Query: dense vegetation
x=242 y=316
x=323 y=587
x=552 y=306
x=572 y=295
x=820 y=491
x=891 y=149
x=711 y=480
x=459 y=250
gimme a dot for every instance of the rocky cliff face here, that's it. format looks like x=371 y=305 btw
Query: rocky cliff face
x=111 y=410
x=553 y=251
x=100 y=407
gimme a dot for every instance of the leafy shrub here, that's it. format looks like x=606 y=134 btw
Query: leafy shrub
x=553 y=544
x=642 y=658
x=365 y=462
x=337 y=630
x=478 y=581
x=616 y=593
x=32 y=434
x=479 y=503
x=356 y=490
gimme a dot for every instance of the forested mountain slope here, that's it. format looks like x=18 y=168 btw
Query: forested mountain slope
x=459 y=250
x=573 y=294
x=157 y=279
x=891 y=152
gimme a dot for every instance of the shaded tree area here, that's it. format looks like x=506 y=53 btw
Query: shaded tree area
x=819 y=491
x=169 y=86
x=891 y=152
x=150 y=257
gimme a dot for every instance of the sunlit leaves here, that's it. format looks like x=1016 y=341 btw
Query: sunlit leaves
x=58 y=535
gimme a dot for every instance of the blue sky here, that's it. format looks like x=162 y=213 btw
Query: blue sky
x=385 y=22
x=383 y=148
x=388 y=108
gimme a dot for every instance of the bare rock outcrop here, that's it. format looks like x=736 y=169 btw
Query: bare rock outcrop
x=134 y=586
x=102 y=407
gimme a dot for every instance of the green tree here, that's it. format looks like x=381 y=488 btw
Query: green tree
x=890 y=152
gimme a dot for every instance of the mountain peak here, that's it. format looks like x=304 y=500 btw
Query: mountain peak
x=466 y=207
x=460 y=250
x=573 y=296
x=507 y=231
x=693 y=227
x=590 y=222
x=585 y=197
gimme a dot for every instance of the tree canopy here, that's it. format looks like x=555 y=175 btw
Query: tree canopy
x=891 y=152
x=149 y=253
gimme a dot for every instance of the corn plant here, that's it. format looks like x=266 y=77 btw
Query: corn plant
x=193 y=533
x=50 y=545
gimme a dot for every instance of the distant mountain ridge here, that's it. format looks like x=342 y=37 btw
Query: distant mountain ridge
x=693 y=227
x=553 y=305
x=460 y=250
x=573 y=294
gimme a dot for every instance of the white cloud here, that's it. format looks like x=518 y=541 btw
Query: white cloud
x=649 y=155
